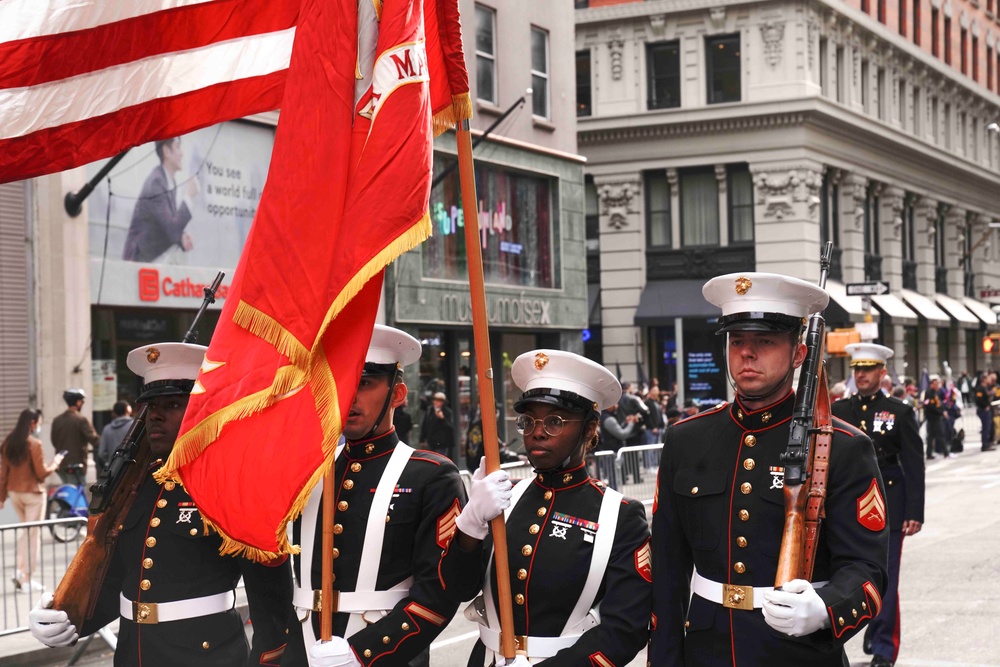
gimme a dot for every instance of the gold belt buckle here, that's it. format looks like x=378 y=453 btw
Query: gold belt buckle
x=737 y=597
x=520 y=644
x=145 y=613
x=318 y=601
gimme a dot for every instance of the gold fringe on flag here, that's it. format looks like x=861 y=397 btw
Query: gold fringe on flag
x=460 y=109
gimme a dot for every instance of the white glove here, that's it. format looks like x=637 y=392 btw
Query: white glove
x=796 y=610
x=334 y=653
x=518 y=661
x=51 y=626
x=488 y=498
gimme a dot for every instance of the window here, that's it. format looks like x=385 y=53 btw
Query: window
x=947 y=40
x=539 y=73
x=829 y=209
x=699 y=207
x=663 y=70
x=940 y=253
x=882 y=95
x=592 y=213
x=964 y=45
x=902 y=17
x=935 y=120
x=989 y=67
x=583 y=83
x=935 y=38
x=901 y=96
x=872 y=240
x=865 y=7
x=975 y=58
x=947 y=131
x=658 y=224
x=881 y=11
x=916 y=22
x=486 y=58
x=865 y=87
x=918 y=113
x=723 y=61
x=824 y=65
x=908 y=241
x=519 y=228
x=740 y=189
x=841 y=78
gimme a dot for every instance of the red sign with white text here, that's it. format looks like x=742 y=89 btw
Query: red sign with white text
x=152 y=287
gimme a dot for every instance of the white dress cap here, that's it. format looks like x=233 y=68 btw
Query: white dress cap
x=763 y=301
x=392 y=346
x=546 y=376
x=868 y=354
x=167 y=369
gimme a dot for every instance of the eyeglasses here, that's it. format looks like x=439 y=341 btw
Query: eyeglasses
x=551 y=424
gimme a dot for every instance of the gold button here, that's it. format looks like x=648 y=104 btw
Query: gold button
x=336 y=552
x=547 y=495
x=694 y=490
x=541 y=477
x=741 y=542
x=385 y=640
x=206 y=645
x=744 y=515
x=348 y=484
x=333 y=577
x=864 y=605
x=567 y=478
x=739 y=567
x=687 y=624
x=541 y=511
x=193 y=531
x=369 y=448
x=154 y=522
x=840 y=620
x=161 y=503
x=889 y=483
x=169 y=486
x=519 y=598
x=750 y=440
x=749 y=464
x=534 y=529
x=864 y=408
x=739 y=413
x=387 y=518
x=338 y=529
x=145 y=584
x=368 y=653
x=746 y=487
x=766 y=417
x=150 y=541
x=147 y=563
x=526 y=550
x=522 y=574
x=854 y=613
x=405 y=626
x=342 y=506
x=355 y=467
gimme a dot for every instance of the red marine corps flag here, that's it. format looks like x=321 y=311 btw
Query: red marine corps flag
x=347 y=192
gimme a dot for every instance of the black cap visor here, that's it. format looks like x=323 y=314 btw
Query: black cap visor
x=373 y=370
x=165 y=388
x=558 y=397
x=750 y=321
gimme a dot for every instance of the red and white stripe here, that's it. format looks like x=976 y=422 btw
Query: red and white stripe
x=81 y=80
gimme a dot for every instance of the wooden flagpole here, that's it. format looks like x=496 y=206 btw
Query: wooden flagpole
x=484 y=372
x=326 y=593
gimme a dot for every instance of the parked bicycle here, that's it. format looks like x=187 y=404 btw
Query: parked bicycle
x=67 y=501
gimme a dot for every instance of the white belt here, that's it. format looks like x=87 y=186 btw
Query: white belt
x=733 y=596
x=351 y=603
x=533 y=647
x=162 y=612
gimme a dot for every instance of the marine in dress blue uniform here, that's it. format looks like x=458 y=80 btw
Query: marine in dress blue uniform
x=578 y=552
x=718 y=510
x=173 y=593
x=392 y=603
x=891 y=425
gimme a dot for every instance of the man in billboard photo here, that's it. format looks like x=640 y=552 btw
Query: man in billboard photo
x=158 y=220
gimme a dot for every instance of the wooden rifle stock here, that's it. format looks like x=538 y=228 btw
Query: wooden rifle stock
x=792 y=557
x=80 y=587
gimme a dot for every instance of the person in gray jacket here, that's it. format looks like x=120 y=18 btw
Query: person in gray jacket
x=113 y=434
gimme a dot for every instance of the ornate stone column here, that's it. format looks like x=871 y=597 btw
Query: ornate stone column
x=891 y=234
x=623 y=265
x=786 y=217
x=925 y=215
x=852 y=238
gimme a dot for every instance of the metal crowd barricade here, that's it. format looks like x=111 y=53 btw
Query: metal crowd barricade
x=637 y=467
x=51 y=560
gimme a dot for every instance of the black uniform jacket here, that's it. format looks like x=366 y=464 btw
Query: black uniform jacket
x=163 y=555
x=550 y=542
x=898 y=448
x=719 y=508
x=420 y=524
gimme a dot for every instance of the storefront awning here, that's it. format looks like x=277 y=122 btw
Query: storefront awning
x=926 y=308
x=664 y=300
x=981 y=310
x=891 y=306
x=842 y=307
x=958 y=311
x=593 y=304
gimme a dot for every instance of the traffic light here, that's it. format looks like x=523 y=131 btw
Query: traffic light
x=991 y=343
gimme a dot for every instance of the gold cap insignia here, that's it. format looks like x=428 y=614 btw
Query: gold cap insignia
x=743 y=285
x=541 y=360
x=152 y=354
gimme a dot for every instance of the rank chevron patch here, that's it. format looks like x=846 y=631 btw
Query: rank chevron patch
x=871 y=508
x=446 y=524
x=644 y=562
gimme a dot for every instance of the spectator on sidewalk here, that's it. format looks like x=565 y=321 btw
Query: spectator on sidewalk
x=113 y=434
x=72 y=432
x=982 y=394
x=934 y=413
x=437 y=432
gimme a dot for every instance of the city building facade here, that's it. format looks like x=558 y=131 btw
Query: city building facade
x=740 y=136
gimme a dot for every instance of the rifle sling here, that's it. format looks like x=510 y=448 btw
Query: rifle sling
x=818 y=470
